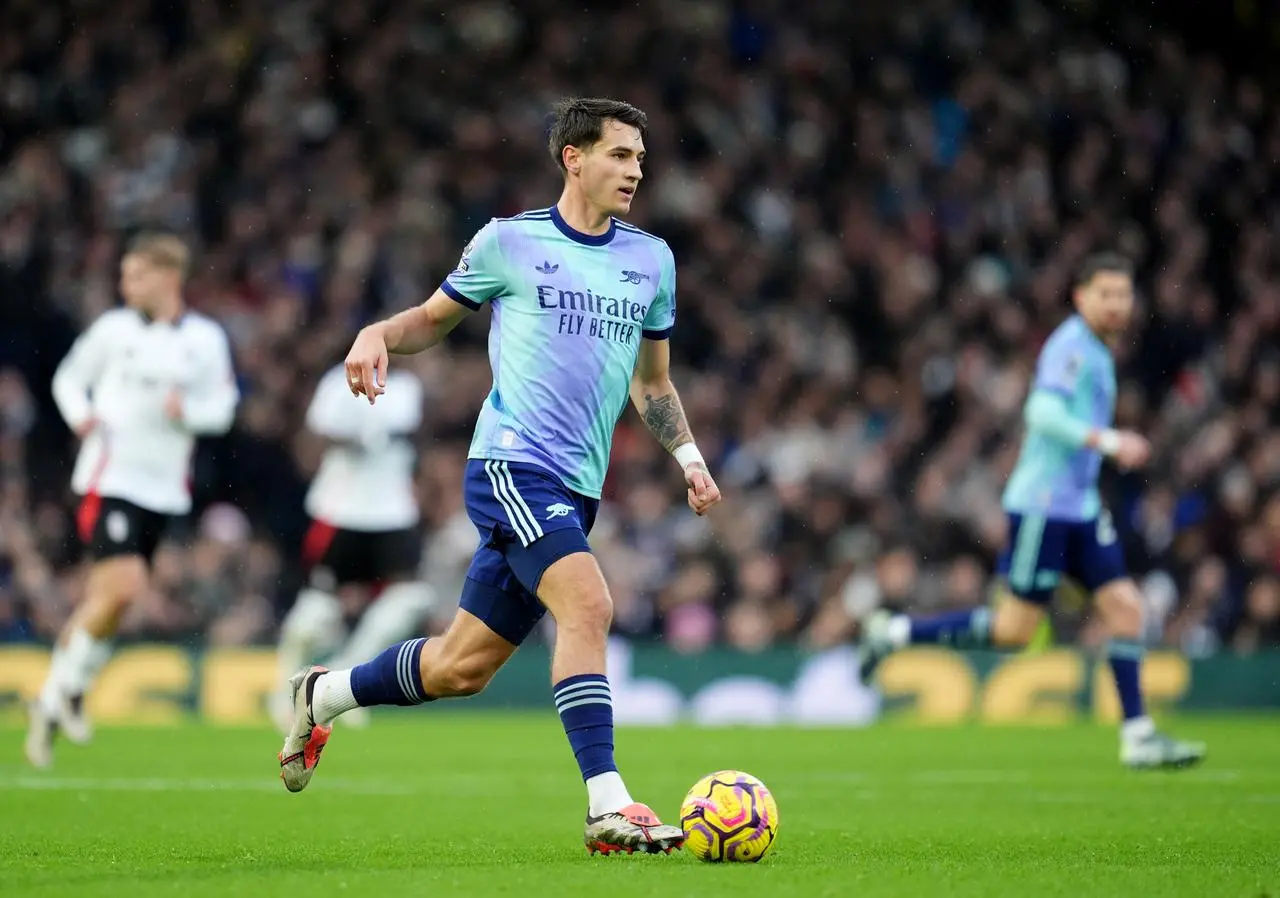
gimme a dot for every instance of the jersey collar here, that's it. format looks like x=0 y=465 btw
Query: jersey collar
x=176 y=322
x=577 y=236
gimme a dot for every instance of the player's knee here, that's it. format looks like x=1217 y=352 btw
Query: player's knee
x=1014 y=624
x=1121 y=607
x=116 y=582
x=574 y=591
x=588 y=612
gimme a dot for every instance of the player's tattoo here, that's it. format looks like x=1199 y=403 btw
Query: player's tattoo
x=664 y=417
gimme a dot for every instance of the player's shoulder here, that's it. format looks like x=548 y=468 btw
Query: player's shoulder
x=1067 y=335
x=119 y=318
x=631 y=230
x=532 y=219
x=650 y=241
x=529 y=216
x=203 y=327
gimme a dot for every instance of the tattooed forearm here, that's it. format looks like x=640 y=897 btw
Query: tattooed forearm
x=664 y=417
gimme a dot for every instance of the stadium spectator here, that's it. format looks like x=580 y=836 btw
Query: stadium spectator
x=876 y=213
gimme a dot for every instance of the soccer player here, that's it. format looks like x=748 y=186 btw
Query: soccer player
x=1057 y=524
x=583 y=306
x=138 y=386
x=353 y=541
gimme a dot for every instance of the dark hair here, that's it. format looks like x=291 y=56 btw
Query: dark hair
x=579 y=122
x=1100 y=262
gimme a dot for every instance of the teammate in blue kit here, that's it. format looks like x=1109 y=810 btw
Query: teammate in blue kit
x=583 y=306
x=1057 y=524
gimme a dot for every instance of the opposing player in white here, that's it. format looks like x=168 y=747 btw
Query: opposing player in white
x=137 y=388
x=355 y=541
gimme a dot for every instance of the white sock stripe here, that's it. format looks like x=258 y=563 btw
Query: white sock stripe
x=573 y=702
x=582 y=693
x=585 y=684
x=577 y=703
x=400 y=669
x=413 y=679
x=404 y=671
x=499 y=492
x=511 y=486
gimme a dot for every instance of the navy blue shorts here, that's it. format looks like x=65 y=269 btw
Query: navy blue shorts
x=528 y=520
x=1040 y=550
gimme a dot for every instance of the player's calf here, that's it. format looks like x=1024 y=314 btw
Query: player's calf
x=409 y=673
x=1141 y=746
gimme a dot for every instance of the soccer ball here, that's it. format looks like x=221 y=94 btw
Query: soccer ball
x=729 y=816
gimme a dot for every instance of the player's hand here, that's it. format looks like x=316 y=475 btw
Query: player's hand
x=1134 y=450
x=173 y=405
x=367 y=364
x=703 y=492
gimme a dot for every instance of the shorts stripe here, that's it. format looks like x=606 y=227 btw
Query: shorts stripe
x=1026 y=552
x=526 y=528
x=504 y=473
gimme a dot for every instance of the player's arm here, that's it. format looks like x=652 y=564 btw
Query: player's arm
x=78 y=372
x=208 y=407
x=656 y=399
x=477 y=279
x=1048 y=411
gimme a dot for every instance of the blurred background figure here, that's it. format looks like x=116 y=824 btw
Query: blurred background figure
x=877 y=212
x=364 y=533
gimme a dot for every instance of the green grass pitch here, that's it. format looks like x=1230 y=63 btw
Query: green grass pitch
x=438 y=803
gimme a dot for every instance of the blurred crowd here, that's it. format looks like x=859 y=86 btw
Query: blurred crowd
x=875 y=210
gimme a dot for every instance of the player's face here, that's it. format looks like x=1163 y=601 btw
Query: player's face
x=143 y=283
x=1106 y=302
x=611 y=168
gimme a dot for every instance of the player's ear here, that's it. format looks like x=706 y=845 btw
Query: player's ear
x=572 y=158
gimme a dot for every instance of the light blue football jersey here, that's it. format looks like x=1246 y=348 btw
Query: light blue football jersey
x=1054 y=479
x=569 y=312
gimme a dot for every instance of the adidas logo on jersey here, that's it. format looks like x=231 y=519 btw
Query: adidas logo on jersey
x=547 y=268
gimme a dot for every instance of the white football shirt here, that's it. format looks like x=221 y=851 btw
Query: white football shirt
x=365 y=480
x=119 y=374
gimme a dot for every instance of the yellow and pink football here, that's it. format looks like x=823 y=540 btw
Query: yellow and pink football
x=729 y=816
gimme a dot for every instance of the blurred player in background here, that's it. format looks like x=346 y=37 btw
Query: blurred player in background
x=1057 y=524
x=137 y=388
x=364 y=531
x=583 y=306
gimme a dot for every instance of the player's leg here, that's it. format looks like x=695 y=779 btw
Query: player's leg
x=397 y=613
x=1099 y=562
x=574 y=591
x=551 y=558
x=547 y=554
x=1031 y=565
x=459 y=663
x=120 y=538
x=496 y=613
